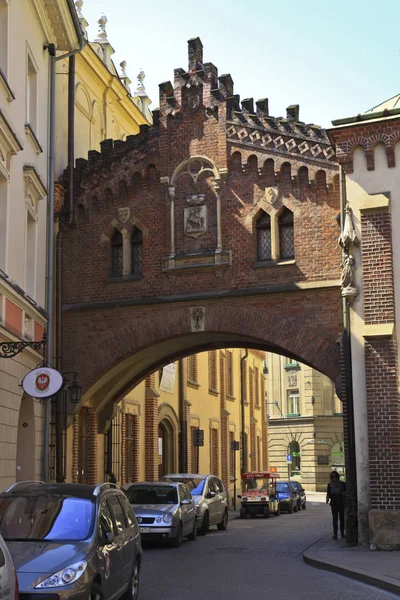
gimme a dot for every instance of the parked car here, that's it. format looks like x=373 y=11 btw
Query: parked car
x=210 y=497
x=287 y=496
x=8 y=575
x=165 y=511
x=258 y=495
x=71 y=541
x=301 y=493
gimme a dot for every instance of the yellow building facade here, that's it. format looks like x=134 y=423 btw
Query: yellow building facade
x=304 y=421
x=201 y=395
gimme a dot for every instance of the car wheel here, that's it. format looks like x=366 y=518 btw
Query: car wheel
x=290 y=508
x=193 y=536
x=205 y=526
x=132 y=593
x=224 y=523
x=304 y=506
x=266 y=513
x=177 y=541
x=277 y=512
x=296 y=507
x=243 y=513
x=96 y=593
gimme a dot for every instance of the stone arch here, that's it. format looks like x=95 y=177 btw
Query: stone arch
x=236 y=162
x=252 y=164
x=122 y=189
x=168 y=428
x=359 y=158
x=269 y=171
x=186 y=166
x=286 y=172
x=320 y=178
x=302 y=176
x=380 y=157
x=82 y=98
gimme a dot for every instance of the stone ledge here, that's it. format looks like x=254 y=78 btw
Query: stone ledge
x=378 y=202
x=379 y=330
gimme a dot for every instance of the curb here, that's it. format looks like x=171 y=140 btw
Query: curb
x=378 y=582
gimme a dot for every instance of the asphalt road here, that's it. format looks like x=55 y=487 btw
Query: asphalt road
x=254 y=558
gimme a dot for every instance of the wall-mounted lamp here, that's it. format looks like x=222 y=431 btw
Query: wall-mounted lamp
x=312 y=400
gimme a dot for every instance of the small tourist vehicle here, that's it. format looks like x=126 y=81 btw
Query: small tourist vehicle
x=259 y=494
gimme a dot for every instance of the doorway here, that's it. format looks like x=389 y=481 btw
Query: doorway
x=166 y=448
x=26 y=440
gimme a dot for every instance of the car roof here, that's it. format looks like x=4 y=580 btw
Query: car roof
x=154 y=483
x=77 y=490
x=186 y=476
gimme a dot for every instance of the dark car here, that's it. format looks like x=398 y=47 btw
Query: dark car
x=302 y=494
x=287 y=496
x=72 y=541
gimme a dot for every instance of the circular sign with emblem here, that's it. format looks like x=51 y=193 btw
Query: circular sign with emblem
x=42 y=383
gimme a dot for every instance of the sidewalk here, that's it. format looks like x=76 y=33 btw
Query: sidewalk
x=378 y=568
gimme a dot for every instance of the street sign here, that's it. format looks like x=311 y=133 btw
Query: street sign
x=235 y=445
x=198 y=437
x=42 y=383
x=289 y=458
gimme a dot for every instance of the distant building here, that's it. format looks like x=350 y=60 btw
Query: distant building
x=304 y=421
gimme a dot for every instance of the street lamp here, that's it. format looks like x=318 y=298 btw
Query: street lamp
x=73 y=389
x=66 y=403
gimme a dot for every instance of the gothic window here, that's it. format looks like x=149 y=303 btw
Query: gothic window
x=116 y=254
x=212 y=370
x=137 y=252
x=295 y=465
x=263 y=227
x=286 y=234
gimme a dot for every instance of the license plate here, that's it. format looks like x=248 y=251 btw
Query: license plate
x=144 y=529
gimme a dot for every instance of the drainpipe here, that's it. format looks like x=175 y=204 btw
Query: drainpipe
x=182 y=422
x=351 y=474
x=50 y=221
x=243 y=466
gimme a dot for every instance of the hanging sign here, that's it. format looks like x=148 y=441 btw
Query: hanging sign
x=42 y=383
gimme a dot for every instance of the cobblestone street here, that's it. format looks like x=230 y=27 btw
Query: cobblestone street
x=255 y=558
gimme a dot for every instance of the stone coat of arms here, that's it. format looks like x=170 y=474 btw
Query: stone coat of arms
x=195 y=216
x=124 y=214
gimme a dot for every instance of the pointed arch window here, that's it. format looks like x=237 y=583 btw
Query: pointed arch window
x=137 y=253
x=263 y=227
x=286 y=234
x=116 y=254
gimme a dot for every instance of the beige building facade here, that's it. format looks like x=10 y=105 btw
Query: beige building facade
x=304 y=421
x=27 y=28
x=202 y=392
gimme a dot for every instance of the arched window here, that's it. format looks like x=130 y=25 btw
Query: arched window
x=286 y=234
x=295 y=465
x=122 y=189
x=116 y=254
x=263 y=227
x=137 y=252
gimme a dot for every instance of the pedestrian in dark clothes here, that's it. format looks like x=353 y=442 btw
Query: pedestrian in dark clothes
x=335 y=496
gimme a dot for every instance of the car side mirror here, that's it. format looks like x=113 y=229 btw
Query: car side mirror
x=186 y=501
x=210 y=495
x=108 y=537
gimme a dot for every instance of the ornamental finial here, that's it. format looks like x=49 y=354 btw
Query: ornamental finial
x=78 y=5
x=102 y=33
x=140 y=77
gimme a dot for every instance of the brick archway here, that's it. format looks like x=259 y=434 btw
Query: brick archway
x=117 y=358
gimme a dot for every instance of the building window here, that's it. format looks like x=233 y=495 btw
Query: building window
x=131 y=448
x=30 y=256
x=291 y=364
x=214 y=452
x=83 y=443
x=286 y=234
x=212 y=370
x=112 y=450
x=229 y=375
x=257 y=386
x=295 y=465
x=4 y=37
x=116 y=254
x=263 y=227
x=137 y=253
x=192 y=368
x=293 y=403
x=31 y=95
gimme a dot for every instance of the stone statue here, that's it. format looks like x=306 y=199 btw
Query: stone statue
x=347 y=279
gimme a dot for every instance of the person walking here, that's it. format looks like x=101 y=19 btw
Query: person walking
x=335 y=496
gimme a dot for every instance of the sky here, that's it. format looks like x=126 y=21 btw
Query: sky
x=335 y=59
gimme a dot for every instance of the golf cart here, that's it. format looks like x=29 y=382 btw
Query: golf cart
x=259 y=494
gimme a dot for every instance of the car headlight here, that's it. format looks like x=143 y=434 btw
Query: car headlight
x=64 y=577
x=158 y=519
x=168 y=518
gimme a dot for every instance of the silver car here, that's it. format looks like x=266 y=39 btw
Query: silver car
x=165 y=511
x=72 y=541
x=8 y=576
x=210 y=497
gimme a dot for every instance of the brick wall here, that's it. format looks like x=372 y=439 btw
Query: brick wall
x=151 y=431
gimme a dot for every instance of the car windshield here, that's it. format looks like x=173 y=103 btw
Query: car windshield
x=44 y=517
x=160 y=494
x=195 y=484
x=282 y=487
x=256 y=484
